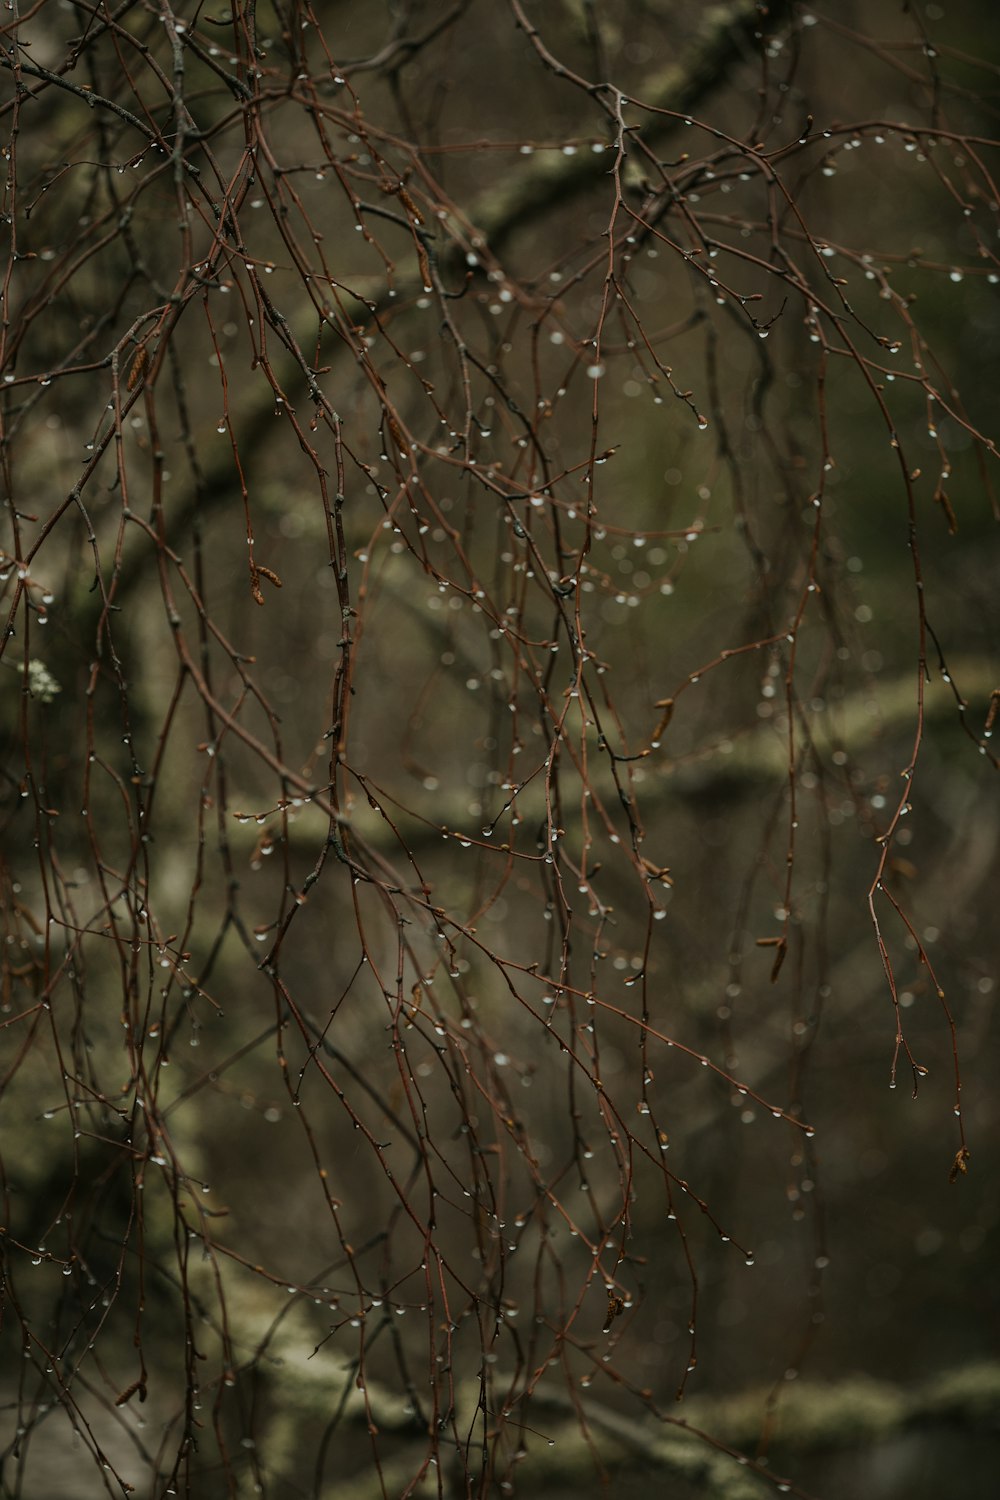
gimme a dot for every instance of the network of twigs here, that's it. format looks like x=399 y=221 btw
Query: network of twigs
x=368 y=703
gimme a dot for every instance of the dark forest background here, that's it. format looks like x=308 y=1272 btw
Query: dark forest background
x=499 y=855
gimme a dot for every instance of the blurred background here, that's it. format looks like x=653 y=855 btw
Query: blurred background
x=500 y=846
